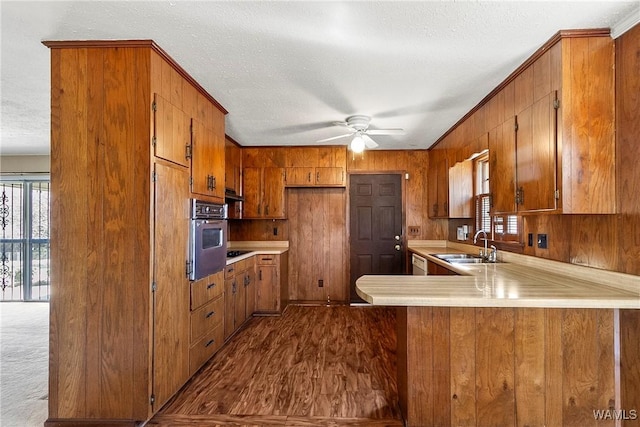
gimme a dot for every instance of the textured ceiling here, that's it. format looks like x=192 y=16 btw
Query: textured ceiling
x=286 y=70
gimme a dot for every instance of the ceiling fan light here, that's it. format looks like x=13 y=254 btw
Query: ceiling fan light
x=357 y=144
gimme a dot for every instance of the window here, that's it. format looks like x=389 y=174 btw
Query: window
x=24 y=240
x=499 y=228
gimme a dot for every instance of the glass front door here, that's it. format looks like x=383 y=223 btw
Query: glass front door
x=24 y=240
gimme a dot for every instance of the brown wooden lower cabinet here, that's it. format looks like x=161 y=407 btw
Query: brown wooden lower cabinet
x=486 y=367
x=271 y=283
x=434 y=269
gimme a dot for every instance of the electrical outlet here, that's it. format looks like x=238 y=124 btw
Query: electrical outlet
x=542 y=241
x=275 y=231
x=530 y=239
x=414 y=230
x=320 y=283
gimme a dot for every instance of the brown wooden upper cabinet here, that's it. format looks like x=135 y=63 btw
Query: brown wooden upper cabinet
x=264 y=195
x=171 y=139
x=207 y=151
x=438 y=184
x=233 y=167
x=550 y=153
x=461 y=190
x=316 y=166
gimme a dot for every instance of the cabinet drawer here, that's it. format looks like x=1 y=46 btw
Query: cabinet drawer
x=205 y=347
x=267 y=259
x=206 y=318
x=233 y=269
x=206 y=289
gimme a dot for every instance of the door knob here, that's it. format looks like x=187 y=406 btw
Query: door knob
x=397 y=238
x=397 y=247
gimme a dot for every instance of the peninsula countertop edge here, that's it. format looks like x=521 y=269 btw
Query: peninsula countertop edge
x=504 y=284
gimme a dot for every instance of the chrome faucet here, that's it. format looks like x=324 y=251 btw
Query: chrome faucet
x=483 y=254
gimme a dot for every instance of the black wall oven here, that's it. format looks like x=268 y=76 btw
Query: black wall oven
x=207 y=239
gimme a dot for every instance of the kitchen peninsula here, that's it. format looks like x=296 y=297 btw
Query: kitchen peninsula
x=513 y=343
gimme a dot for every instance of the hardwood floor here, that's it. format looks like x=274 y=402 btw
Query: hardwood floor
x=313 y=366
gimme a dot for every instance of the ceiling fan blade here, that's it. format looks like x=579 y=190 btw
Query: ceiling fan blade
x=335 y=137
x=370 y=143
x=385 y=131
x=340 y=124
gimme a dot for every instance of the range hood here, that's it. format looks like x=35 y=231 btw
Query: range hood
x=231 y=196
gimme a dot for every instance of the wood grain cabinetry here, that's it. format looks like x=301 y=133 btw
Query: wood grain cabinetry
x=236 y=290
x=435 y=269
x=207 y=319
x=271 y=283
x=233 y=176
x=264 y=193
x=120 y=319
x=172 y=132
x=438 y=179
x=461 y=190
x=316 y=166
x=544 y=157
x=207 y=162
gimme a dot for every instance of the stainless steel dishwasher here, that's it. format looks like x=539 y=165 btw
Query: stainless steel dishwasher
x=419 y=265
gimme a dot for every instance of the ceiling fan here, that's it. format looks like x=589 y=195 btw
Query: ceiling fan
x=358 y=126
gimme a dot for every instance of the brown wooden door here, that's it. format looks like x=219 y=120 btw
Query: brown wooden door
x=375 y=203
x=171 y=298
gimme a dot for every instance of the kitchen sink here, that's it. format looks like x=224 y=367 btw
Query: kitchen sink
x=462 y=258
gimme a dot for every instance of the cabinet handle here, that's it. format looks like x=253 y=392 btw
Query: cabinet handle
x=260 y=275
x=309 y=177
x=266 y=259
x=233 y=287
x=209 y=314
x=317 y=177
x=211 y=285
x=213 y=182
x=209 y=343
x=266 y=210
x=259 y=210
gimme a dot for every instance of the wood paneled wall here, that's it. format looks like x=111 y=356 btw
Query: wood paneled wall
x=318 y=241
x=515 y=366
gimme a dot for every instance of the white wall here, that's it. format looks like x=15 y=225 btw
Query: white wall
x=25 y=164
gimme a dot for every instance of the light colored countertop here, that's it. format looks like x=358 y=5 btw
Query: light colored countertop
x=257 y=248
x=516 y=282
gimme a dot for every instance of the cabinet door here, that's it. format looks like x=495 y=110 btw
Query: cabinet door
x=171 y=297
x=232 y=167
x=536 y=157
x=171 y=134
x=202 y=158
x=502 y=161
x=252 y=183
x=229 y=306
x=250 y=277
x=267 y=289
x=461 y=190
x=273 y=193
x=300 y=177
x=330 y=176
x=241 y=300
x=217 y=165
x=207 y=162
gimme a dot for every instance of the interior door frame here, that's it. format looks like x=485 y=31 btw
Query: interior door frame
x=403 y=240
